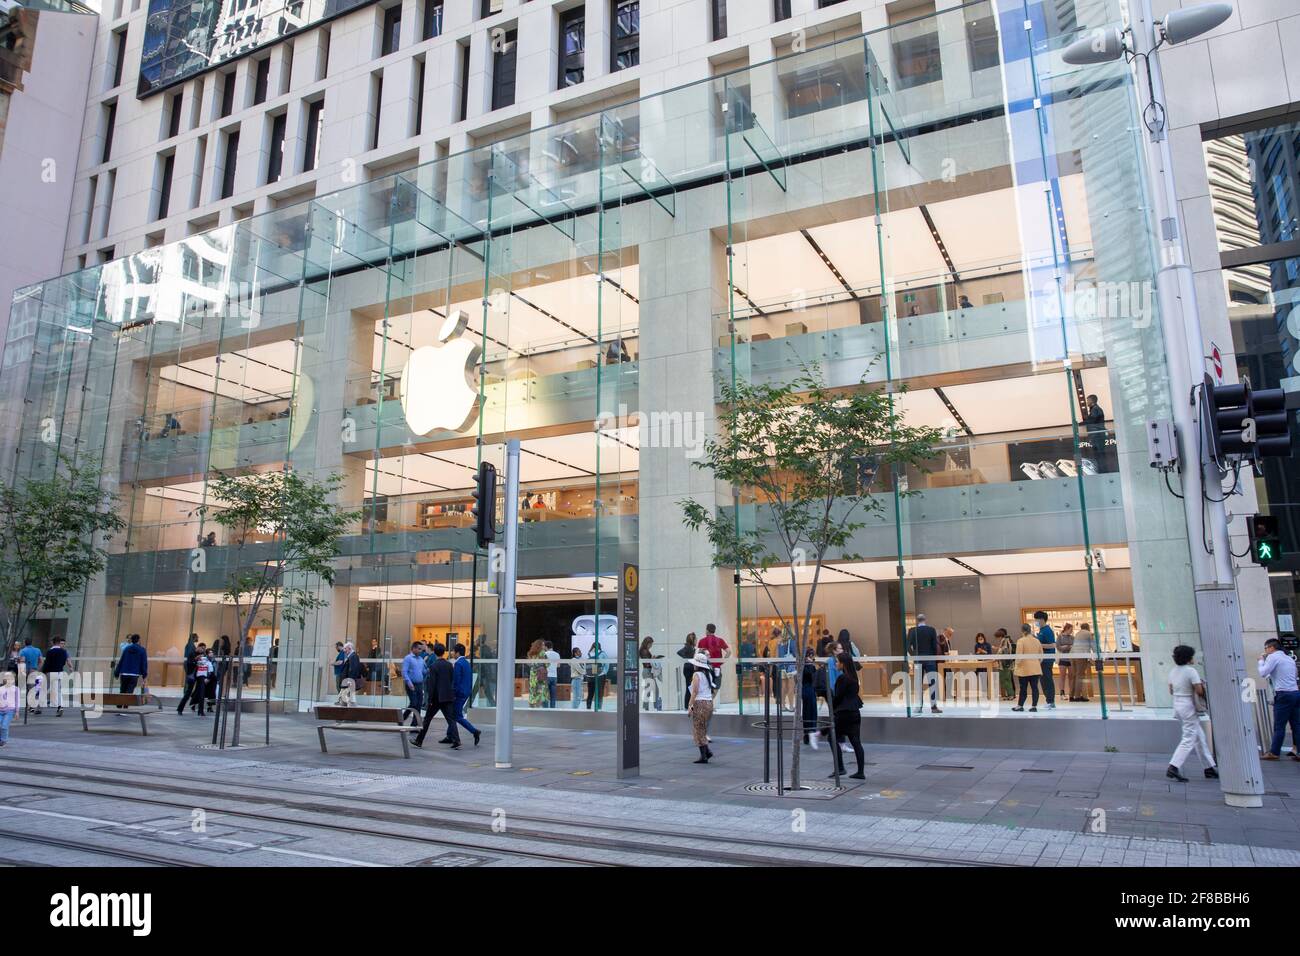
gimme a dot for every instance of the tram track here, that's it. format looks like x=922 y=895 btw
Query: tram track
x=81 y=846
x=628 y=839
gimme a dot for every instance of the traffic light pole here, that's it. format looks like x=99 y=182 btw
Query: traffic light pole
x=1217 y=611
x=508 y=614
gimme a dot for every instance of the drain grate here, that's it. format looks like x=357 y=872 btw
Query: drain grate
x=942 y=766
x=1035 y=770
x=455 y=859
x=1077 y=794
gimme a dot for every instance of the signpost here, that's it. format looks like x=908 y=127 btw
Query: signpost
x=629 y=673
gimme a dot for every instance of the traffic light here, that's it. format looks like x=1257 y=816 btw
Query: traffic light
x=1272 y=423
x=1265 y=544
x=485 y=504
x=1225 y=411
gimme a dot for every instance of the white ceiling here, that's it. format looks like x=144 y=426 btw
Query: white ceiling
x=1031 y=562
x=263 y=373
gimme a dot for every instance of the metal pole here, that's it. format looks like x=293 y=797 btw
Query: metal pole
x=780 y=757
x=767 y=723
x=266 y=686
x=1217 y=609
x=508 y=614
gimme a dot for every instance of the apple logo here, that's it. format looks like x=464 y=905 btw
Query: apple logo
x=437 y=390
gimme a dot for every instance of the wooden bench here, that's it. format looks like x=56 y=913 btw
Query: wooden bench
x=367 y=720
x=143 y=706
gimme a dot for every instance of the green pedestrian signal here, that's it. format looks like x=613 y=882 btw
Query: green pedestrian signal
x=1265 y=543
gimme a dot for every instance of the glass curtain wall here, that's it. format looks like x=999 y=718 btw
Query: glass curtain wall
x=967 y=232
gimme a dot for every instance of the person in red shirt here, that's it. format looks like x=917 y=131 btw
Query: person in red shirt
x=716 y=647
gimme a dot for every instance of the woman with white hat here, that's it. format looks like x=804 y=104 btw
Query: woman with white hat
x=701 y=706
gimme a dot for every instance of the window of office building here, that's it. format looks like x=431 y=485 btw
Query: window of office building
x=392 y=31
x=275 y=160
x=489 y=7
x=1254 y=178
x=915 y=45
x=780 y=10
x=174 y=104
x=377 y=106
x=419 y=97
x=718 y=18
x=227 y=94
x=982 y=43
x=432 y=26
x=573 y=43
x=166 y=167
x=110 y=122
x=504 y=58
x=119 y=56
x=625 y=43
x=228 y=165
x=314 y=124
x=261 y=80
x=463 y=53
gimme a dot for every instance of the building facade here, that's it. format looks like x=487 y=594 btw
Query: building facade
x=377 y=242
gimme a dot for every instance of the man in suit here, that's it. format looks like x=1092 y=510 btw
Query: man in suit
x=440 y=698
x=461 y=680
x=923 y=641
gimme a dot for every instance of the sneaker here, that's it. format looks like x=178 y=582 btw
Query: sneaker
x=1018 y=710
x=1173 y=773
x=1293 y=755
x=1051 y=707
x=478 y=735
x=812 y=742
x=1211 y=773
x=1033 y=710
x=416 y=743
x=858 y=776
x=846 y=749
x=935 y=710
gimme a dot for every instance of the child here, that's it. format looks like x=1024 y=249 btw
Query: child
x=8 y=704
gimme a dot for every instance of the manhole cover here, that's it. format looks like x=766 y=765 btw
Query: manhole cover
x=815 y=787
x=454 y=859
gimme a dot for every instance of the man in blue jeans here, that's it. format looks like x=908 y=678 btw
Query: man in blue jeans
x=1280 y=670
x=413 y=674
x=1047 y=637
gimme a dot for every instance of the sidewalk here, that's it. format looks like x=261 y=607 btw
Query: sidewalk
x=939 y=797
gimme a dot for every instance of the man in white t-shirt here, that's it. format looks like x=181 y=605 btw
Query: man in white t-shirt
x=552 y=671
x=1186 y=686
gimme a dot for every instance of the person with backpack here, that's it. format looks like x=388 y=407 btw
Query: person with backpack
x=701 y=707
x=847 y=704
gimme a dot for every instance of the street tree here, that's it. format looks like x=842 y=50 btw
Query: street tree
x=809 y=467
x=53 y=533
x=283 y=531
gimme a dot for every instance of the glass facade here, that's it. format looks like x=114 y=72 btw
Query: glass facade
x=969 y=233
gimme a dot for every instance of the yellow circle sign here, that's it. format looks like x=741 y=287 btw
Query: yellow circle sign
x=629 y=578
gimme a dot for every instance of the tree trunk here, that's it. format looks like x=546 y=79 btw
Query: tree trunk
x=239 y=687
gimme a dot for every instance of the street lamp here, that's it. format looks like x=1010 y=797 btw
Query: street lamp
x=1107 y=44
x=1213 y=575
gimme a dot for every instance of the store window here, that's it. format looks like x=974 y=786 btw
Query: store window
x=982 y=44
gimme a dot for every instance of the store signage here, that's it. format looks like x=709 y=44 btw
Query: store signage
x=438 y=391
x=261 y=646
x=629 y=714
x=1123 y=634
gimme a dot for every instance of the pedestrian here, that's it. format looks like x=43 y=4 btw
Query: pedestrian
x=190 y=646
x=1004 y=647
x=351 y=673
x=1047 y=638
x=53 y=667
x=1186 y=687
x=440 y=692
x=717 y=649
x=486 y=672
x=687 y=653
x=247 y=674
x=413 y=674
x=650 y=673
x=701 y=706
x=808 y=697
x=462 y=682
x=1082 y=668
x=596 y=671
x=1278 y=667
x=1028 y=669
x=1095 y=422
x=789 y=672
x=339 y=657
x=204 y=676
x=8 y=704
x=576 y=671
x=132 y=665
x=1065 y=645
x=191 y=667
x=537 y=688
x=923 y=641
x=552 y=672
x=847 y=702
x=375 y=667
x=29 y=659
